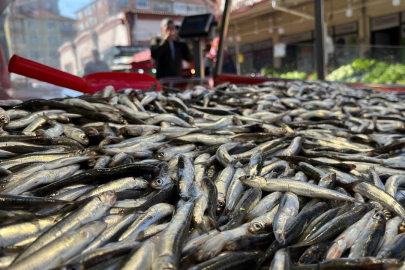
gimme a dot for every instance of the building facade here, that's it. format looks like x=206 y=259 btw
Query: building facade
x=124 y=29
x=37 y=35
x=28 y=6
x=367 y=28
x=105 y=24
x=97 y=12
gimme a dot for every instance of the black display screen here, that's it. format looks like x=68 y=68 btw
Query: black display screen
x=196 y=25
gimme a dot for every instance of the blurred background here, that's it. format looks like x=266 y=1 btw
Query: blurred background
x=365 y=39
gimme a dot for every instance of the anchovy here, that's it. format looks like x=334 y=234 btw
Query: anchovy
x=391 y=230
x=152 y=215
x=168 y=247
x=141 y=258
x=185 y=176
x=92 y=210
x=222 y=183
x=395 y=249
x=264 y=222
x=287 y=210
x=374 y=193
x=61 y=249
x=234 y=191
x=264 y=205
x=281 y=260
x=335 y=226
x=367 y=243
x=299 y=188
x=347 y=238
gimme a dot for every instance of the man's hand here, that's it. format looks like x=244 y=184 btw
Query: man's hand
x=166 y=34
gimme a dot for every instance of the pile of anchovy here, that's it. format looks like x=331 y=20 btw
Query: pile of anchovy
x=281 y=175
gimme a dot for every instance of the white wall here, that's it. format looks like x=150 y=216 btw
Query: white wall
x=116 y=36
x=66 y=58
x=147 y=29
x=84 y=53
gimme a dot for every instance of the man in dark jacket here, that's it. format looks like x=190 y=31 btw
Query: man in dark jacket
x=168 y=52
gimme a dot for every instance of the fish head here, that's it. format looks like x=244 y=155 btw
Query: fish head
x=4 y=118
x=256 y=227
x=253 y=181
x=211 y=172
x=163 y=155
x=387 y=214
x=159 y=182
x=83 y=138
x=308 y=257
x=220 y=204
x=85 y=152
x=108 y=197
x=379 y=216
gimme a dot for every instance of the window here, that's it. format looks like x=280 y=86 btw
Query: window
x=79 y=15
x=162 y=6
x=53 y=55
x=200 y=9
x=51 y=25
x=32 y=24
x=34 y=55
x=81 y=27
x=180 y=8
x=48 y=6
x=123 y=3
x=16 y=24
x=52 y=41
x=66 y=26
x=142 y=4
x=32 y=5
x=190 y=8
x=99 y=4
x=34 y=40
x=19 y=39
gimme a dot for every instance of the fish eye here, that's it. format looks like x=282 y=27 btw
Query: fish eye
x=221 y=203
x=159 y=182
x=257 y=226
x=379 y=216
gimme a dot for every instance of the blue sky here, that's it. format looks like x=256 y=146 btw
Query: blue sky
x=69 y=7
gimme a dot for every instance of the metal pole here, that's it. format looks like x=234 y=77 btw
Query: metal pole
x=223 y=34
x=320 y=39
x=237 y=58
x=198 y=59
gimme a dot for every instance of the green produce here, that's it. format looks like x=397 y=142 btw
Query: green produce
x=359 y=71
